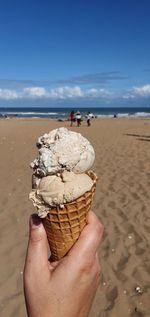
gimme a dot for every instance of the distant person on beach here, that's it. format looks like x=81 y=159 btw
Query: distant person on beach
x=67 y=287
x=78 y=118
x=72 y=118
x=88 y=118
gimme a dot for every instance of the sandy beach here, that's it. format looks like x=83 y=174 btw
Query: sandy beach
x=122 y=202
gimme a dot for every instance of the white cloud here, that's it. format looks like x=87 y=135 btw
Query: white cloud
x=34 y=92
x=101 y=92
x=137 y=92
x=8 y=94
x=141 y=91
x=128 y=96
x=77 y=92
x=66 y=92
x=39 y=92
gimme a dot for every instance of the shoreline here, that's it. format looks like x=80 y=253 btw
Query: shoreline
x=64 y=113
x=68 y=120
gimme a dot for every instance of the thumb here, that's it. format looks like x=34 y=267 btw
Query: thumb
x=37 y=255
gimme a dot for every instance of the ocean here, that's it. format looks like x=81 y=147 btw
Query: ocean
x=63 y=113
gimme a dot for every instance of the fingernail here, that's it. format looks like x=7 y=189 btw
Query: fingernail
x=35 y=221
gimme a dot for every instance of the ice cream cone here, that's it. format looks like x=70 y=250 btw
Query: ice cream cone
x=64 y=225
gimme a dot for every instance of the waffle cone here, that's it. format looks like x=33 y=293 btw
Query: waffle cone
x=64 y=225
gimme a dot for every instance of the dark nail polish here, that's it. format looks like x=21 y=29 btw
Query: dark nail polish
x=35 y=220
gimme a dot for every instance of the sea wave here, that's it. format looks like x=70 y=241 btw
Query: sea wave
x=31 y=113
x=104 y=115
x=62 y=114
x=142 y=114
x=125 y=115
x=119 y=115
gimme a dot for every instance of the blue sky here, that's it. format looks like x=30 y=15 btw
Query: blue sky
x=84 y=53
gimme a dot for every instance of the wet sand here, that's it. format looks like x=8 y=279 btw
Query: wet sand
x=122 y=202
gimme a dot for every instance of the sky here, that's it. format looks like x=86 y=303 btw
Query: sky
x=74 y=53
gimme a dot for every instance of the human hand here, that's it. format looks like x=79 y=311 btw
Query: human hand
x=65 y=288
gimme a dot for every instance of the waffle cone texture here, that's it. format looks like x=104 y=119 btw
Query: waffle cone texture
x=64 y=225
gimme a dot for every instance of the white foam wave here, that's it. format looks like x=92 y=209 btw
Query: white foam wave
x=142 y=114
x=33 y=113
x=120 y=115
x=125 y=115
x=104 y=116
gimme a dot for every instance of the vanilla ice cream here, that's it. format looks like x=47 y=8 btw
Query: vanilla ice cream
x=61 y=150
x=54 y=190
x=60 y=170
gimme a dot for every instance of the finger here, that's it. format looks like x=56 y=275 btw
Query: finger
x=89 y=240
x=37 y=254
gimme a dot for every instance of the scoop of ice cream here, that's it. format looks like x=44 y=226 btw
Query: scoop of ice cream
x=61 y=150
x=57 y=190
